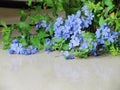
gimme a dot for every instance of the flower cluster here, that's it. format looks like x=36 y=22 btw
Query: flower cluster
x=68 y=55
x=48 y=45
x=73 y=29
x=95 y=50
x=71 y=35
x=104 y=34
x=73 y=24
x=18 y=48
x=43 y=24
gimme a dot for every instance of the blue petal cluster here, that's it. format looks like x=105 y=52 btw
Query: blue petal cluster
x=43 y=24
x=18 y=48
x=104 y=34
x=73 y=24
x=94 y=50
x=48 y=45
x=68 y=55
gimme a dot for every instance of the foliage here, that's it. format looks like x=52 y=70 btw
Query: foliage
x=6 y=33
x=91 y=27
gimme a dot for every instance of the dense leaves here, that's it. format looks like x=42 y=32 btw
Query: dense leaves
x=91 y=27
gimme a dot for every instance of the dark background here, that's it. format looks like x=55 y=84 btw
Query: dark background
x=13 y=4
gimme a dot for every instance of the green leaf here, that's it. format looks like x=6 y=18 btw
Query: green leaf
x=35 y=41
x=57 y=40
x=21 y=12
x=23 y=15
x=37 y=8
x=23 y=18
x=42 y=35
x=59 y=6
x=6 y=38
x=65 y=47
x=107 y=43
x=51 y=30
x=108 y=2
x=101 y=21
x=49 y=3
x=6 y=46
x=30 y=2
x=82 y=53
x=23 y=41
x=110 y=7
x=114 y=50
x=4 y=24
x=23 y=27
x=40 y=0
x=83 y=0
x=117 y=24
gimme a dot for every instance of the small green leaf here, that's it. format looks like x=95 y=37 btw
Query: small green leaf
x=57 y=40
x=23 y=18
x=65 y=47
x=21 y=12
x=110 y=7
x=107 y=43
x=59 y=6
x=23 y=41
x=108 y=2
x=6 y=38
x=4 y=24
x=30 y=2
x=35 y=41
x=101 y=21
x=40 y=0
x=51 y=30
x=6 y=46
x=49 y=3
x=23 y=26
x=42 y=35
x=117 y=24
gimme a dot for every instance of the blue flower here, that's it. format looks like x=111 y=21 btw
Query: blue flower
x=34 y=51
x=18 y=48
x=38 y=25
x=47 y=40
x=95 y=45
x=75 y=41
x=48 y=27
x=14 y=46
x=11 y=51
x=58 y=22
x=78 y=14
x=48 y=45
x=85 y=9
x=84 y=45
x=104 y=34
x=111 y=39
x=68 y=56
x=43 y=23
x=15 y=41
x=98 y=33
x=94 y=52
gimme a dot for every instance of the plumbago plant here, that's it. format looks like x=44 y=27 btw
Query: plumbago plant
x=71 y=34
x=89 y=28
x=24 y=43
x=75 y=35
x=107 y=11
x=28 y=42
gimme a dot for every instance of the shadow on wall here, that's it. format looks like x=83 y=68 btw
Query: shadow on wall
x=13 y=3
